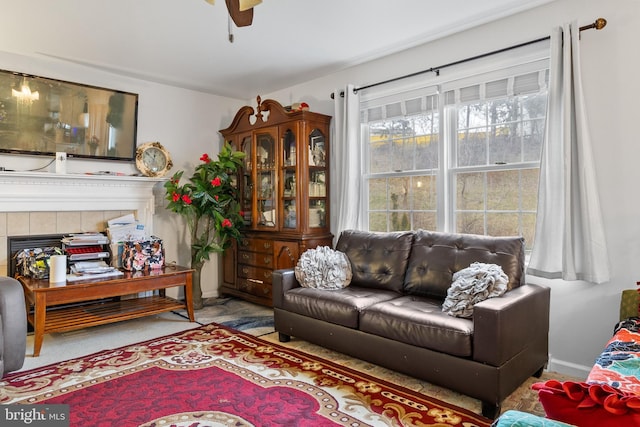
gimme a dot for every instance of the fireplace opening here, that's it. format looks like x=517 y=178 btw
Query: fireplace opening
x=16 y=244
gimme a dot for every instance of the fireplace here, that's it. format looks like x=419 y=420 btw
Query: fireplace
x=38 y=203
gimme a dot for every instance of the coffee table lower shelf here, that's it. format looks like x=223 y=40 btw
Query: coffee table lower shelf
x=83 y=316
x=67 y=306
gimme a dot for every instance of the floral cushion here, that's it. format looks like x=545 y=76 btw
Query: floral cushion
x=619 y=364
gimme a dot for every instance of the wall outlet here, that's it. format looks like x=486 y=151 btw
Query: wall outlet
x=61 y=162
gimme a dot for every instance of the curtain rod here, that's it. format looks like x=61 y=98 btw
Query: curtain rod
x=599 y=24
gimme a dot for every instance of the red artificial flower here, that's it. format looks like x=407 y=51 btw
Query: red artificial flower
x=241 y=213
x=227 y=223
x=216 y=182
x=175 y=197
x=205 y=158
x=216 y=197
x=186 y=199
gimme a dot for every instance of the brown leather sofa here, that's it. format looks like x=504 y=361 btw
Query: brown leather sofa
x=13 y=325
x=391 y=312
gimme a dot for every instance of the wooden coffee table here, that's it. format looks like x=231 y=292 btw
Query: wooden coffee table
x=54 y=309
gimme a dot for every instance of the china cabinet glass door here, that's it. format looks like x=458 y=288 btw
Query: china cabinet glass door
x=266 y=180
x=246 y=191
x=289 y=177
x=317 y=180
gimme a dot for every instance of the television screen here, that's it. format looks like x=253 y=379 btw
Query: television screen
x=42 y=116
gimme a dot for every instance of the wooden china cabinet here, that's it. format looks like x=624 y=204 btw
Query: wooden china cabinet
x=284 y=187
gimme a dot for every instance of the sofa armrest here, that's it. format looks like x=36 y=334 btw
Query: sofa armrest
x=282 y=281
x=13 y=325
x=510 y=324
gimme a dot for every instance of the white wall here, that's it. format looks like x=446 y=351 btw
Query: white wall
x=184 y=121
x=582 y=315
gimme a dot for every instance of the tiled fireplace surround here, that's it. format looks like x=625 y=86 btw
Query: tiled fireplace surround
x=33 y=203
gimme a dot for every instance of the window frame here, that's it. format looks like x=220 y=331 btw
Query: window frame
x=446 y=171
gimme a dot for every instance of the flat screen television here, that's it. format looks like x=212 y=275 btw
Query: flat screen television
x=43 y=116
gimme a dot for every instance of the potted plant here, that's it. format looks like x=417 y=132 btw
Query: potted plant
x=209 y=203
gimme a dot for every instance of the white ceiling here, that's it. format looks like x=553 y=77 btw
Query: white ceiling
x=185 y=42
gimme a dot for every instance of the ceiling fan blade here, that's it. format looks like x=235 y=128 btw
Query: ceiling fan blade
x=242 y=18
x=247 y=4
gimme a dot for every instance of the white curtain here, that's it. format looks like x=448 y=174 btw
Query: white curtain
x=569 y=241
x=346 y=169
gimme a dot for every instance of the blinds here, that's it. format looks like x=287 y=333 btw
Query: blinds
x=502 y=88
x=418 y=101
x=510 y=81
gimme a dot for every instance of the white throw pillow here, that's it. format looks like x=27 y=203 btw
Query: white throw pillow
x=473 y=284
x=323 y=268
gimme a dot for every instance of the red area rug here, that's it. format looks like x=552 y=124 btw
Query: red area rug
x=216 y=376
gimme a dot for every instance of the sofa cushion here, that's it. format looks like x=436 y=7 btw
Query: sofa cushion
x=323 y=268
x=419 y=321
x=472 y=285
x=378 y=260
x=436 y=256
x=588 y=405
x=516 y=418
x=340 y=306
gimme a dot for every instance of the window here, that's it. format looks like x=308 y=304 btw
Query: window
x=462 y=156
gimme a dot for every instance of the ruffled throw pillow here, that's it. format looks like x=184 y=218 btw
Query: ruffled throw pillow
x=473 y=284
x=323 y=268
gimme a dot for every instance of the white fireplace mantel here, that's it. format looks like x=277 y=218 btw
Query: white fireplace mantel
x=43 y=191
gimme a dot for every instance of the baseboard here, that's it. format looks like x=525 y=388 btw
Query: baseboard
x=211 y=294
x=568 y=368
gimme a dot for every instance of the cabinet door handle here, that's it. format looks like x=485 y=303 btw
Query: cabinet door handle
x=267 y=260
x=267 y=274
x=245 y=270
x=245 y=256
x=267 y=245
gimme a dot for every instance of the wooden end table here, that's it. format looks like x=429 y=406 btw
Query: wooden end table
x=52 y=311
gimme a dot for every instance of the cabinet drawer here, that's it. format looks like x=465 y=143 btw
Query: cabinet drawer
x=256 y=245
x=255 y=287
x=250 y=272
x=255 y=258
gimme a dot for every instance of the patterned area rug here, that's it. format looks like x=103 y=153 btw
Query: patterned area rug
x=217 y=376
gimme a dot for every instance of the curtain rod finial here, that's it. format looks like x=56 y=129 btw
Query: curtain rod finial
x=600 y=23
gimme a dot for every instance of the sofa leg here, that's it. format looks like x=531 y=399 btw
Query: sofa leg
x=283 y=337
x=490 y=410
x=539 y=372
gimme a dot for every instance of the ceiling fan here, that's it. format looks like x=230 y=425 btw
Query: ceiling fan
x=241 y=11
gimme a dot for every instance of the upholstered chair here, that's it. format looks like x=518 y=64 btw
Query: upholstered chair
x=13 y=326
